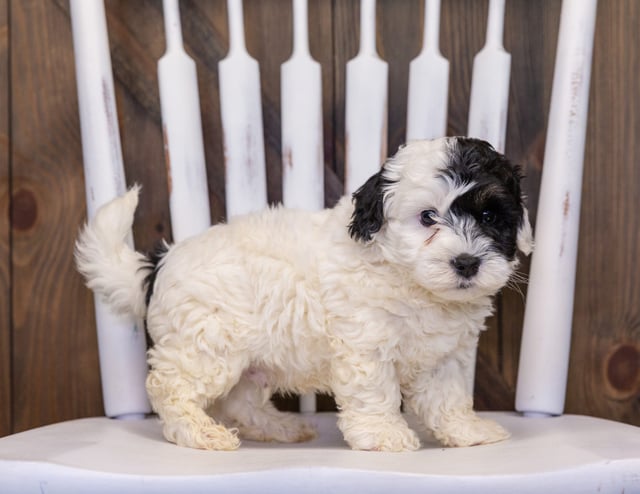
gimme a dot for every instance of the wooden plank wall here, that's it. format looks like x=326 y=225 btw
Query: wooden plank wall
x=48 y=357
x=5 y=260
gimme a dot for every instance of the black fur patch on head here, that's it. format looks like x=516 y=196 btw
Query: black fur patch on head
x=154 y=257
x=368 y=212
x=471 y=158
x=495 y=201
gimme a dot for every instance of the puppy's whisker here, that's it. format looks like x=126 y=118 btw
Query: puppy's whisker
x=519 y=278
x=516 y=288
x=516 y=281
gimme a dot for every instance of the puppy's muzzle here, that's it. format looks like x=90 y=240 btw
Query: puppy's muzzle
x=466 y=265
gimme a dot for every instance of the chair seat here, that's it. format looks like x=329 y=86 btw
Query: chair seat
x=563 y=454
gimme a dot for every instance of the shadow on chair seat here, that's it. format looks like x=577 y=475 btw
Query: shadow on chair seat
x=564 y=454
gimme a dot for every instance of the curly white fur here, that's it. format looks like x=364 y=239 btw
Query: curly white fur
x=288 y=300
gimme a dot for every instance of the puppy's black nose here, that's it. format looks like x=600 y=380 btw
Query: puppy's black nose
x=466 y=265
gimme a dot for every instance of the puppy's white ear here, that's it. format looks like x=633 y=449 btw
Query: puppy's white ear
x=368 y=211
x=525 y=234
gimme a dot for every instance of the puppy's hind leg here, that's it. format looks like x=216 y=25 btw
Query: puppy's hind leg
x=180 y=399
x=249 y=409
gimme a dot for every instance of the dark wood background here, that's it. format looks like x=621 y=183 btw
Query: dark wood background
x=48 y=356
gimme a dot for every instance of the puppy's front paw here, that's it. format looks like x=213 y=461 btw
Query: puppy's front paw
x=382 y=437
x=471 y=431
x=396 y=440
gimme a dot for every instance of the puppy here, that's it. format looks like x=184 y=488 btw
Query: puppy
x=377 y=300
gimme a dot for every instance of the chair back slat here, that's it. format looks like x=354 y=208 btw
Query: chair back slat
x=427 y=101
x=241 y=112
x=121 y=344
x=366 y=105
x=490 y=83
x=546 y=337
x=301 y=115
x=182 y=132
x=302 y=143
x=489 y=99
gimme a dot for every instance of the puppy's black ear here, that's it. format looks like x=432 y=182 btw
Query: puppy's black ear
x=368 y=214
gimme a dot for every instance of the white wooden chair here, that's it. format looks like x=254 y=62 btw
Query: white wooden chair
x=548 y=451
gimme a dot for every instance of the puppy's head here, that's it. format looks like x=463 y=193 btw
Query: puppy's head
x=451 y=212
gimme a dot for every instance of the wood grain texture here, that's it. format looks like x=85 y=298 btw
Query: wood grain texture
x=55 y=368
x=5 y=233
x=604 y=372
x=55 y=373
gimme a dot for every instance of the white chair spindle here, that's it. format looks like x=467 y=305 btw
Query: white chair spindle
x=366 y=105
x=490 y=83
x=182 y=129
x=302 y=145
x=121 y=344
x=428 y=82
x=546 y=338
x=241 y=112
x=490 y=92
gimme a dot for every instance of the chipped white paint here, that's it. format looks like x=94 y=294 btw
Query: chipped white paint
x=182 y=128
x=428 y=82
x=490 y=83
x=121 y=344
x=241 y=112
x=302 y=145
x=546 y=338
x=366 y=105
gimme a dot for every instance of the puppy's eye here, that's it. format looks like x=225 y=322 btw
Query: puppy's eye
x=428 y=217
x=489 y=217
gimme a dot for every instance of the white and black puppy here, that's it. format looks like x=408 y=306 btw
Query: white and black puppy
x=377 y=300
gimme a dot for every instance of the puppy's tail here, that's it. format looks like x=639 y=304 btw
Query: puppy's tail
x=111 y=268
